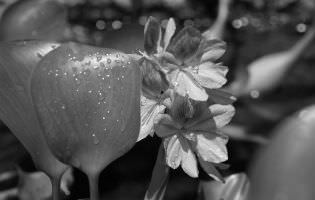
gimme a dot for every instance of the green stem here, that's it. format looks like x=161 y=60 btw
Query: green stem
x=93 y=183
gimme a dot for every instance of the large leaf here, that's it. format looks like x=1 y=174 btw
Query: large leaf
x=34 y=19
x=17 y=60
x=267 y=72
x=88 y=103
x=285 y=169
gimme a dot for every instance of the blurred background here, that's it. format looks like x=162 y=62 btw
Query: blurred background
x=252 y=29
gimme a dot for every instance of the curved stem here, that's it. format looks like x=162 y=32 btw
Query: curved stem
x=93 y=184
x=56 y=187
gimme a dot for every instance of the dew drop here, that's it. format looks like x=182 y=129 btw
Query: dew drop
x=95 y=67
x=77 y=81
x=98 y=58
x=109 y=60
x=86 y=73
x=95 y=139
x=100 y=95
x=102 y=65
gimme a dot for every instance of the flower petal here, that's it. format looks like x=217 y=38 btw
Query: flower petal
x=211 y=148
x=169 y=32
x=182 y=108
x=152 y=35
x=222 y=114
x=165 y=126
x=210 y=75
x=210 y=169
x=150 y=109
x=189 y=162
x=185 y=44
x=154 y=81
x=213 y=50
x=173 y=151
x=218 y=96
x=185 y=85
x=202 y=119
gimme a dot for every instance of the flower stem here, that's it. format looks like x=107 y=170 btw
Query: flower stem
x=93 y=184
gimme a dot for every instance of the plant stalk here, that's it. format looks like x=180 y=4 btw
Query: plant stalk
x=56 y=187
x=93 y=184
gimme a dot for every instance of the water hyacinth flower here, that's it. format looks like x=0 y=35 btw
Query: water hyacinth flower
x=190 y=134
x=183 y=64
x=154 y=83
x=189 y=64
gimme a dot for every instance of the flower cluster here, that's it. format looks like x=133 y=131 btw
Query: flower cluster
x=181 y=101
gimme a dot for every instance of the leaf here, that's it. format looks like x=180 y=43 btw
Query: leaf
x=17 y=60
x=88 y=104
x=34 y=20
x=285 y=168
x=159 y=179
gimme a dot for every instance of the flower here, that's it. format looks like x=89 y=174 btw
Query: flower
x=189 y=64
x=190 y=133
x=154 y=82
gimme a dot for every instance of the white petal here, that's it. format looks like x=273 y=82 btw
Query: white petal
x=150 y=109
x=173 y=152
x=210 y=75
x=211 y=148
x=222 y=114
x=185 y=85
x=214 y=50
x=169 y=32
x=189 y=162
